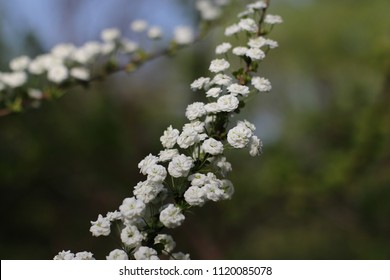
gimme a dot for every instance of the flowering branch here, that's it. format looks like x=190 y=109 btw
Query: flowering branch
x=191 y=168
x=48 y=76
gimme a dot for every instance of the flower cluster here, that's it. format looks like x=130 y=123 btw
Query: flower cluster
x=191 y=168
x=31 y=80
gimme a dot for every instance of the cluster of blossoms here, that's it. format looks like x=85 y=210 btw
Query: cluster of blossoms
x=31 y=80
x=191 y=168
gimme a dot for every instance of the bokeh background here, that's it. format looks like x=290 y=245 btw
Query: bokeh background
x=321 y=190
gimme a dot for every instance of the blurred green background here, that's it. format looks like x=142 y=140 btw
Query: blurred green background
x=321 y=190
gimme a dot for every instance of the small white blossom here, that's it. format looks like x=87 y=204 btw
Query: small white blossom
x=168 y=154
x=57 y=74
x=223 y=48
x=107 y=48
x=19 y=63
x=145 y=253
x=248 y=24
x=131 y=236
x=64 y=255
x=157 y=173
x=273 y=19
x=212 y=108
x=14 y=79
x=180 y=256
x=195 y=110
x=224 y=166
x=239 y=136
x=180 y=166
x=257 y=42
x=84 y=256
x=219 y=65
x=87 y=52
x=63 y=51
x=154 y=32
x=171 y=216
x=240 y=51
x=247 y=124
x=255 y=146
x=213 y=190
x=228 y=103
x=257 y=5
x=167 y=241
x=117 y=254
x=139 y=25
x=35 y=93
x=200 y=83
x=184 y=35
x=195 y=196
x=197 y=179
x=110 y=34
x=146 y=163
x=169 y=138
x=227 y=188
x=237 y=89
x=114 y=216
x=132 y=208
x=147 y=191
x=261 y=84
x=197 y=125
x=80 y=73
x=100 y=227
x=255 y=54
x=233 y=29
x=212 y=147
x=222 y=80
x=128 y=46
x=246 y=13
x=188 y=138
x=214 y=92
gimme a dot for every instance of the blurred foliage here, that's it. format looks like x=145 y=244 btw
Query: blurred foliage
x=319 y=191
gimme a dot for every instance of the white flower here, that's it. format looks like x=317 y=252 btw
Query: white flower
x=248 y=24
x=168 y=154
x=180 y=256
x=228 y=189
x=222 y=80
x=197 y=125
x=236 y=89
x=139 y=25
x=212 y=146
x=84 y=256
x=131 y=236
x=212 y=108
x=14 y=79
x=246 y=13
x=157 y=173
x=100 y=227
x=171 y=216
x=257 y=42
x=57 y=73
x=132 y=208
x=223 y=165
x=167 y=241
x=257 y=5
x=64 y=255
x=87 y=52
x=188 y=138
x=145 y=253
x=107 y=48
x=63 y=51
x=19 y=63
x=213 y=190
x=255 y=146
x=128 y=46
x=180 y=166
x=208 y=11
x=195 y=196
x=195 y=110
x=239 y=136
x=34 y=93
x=146 y=163
x=147 y=191
x=169 y=138
x=114 y=216
x=197 y=179
x=184 y=35
x=228 y=103
x=247 y=124
x=200 y=83
x=219 y=65
x=223 y=48
x=240 y=51
x=110 y=34
x=261 y=84
x=154 y=32
x=214 y=92
x=80 y=73
x=272 y=44
x=117 y=255
x=233 y=29
x=255 y=54
x=273 y=19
